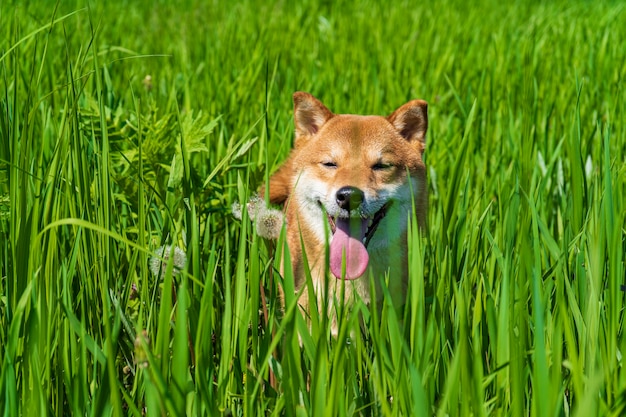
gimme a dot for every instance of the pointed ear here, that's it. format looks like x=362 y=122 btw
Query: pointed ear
x=411 y=120
x=309 y=114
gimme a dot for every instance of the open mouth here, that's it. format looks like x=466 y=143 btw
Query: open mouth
x=348 y=248
x=372 y=223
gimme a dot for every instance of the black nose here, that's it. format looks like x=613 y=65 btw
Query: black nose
x=349 y=198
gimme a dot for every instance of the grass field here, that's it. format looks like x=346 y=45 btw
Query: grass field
x=128 y=126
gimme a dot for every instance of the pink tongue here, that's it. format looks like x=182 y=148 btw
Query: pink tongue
x=344 y=242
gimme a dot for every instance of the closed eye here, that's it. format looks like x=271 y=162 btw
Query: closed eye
x=379 y=166
x=329 y=164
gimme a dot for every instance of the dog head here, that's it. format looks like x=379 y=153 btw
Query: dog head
x=352 y=179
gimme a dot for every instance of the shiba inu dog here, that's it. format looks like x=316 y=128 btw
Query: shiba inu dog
x=349 y=185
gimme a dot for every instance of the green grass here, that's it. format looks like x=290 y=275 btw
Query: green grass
x=514 y=307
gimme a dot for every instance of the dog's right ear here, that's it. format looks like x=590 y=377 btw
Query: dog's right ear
x=309 y=114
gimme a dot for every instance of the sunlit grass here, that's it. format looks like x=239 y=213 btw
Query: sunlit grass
x=125 y=128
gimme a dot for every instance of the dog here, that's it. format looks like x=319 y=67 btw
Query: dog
x=348 y=189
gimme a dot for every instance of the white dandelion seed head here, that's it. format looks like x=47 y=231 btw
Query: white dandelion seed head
x=255 y=205
x=235 y=209
x=269 y=223
x=158 y=263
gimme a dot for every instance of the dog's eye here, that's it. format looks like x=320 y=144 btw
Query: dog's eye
x=329 y=164
x=379 y=166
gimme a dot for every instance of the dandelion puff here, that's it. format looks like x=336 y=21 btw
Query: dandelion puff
x=158 y=263
x=269 y=223
x=255 y=206
x=235 y=209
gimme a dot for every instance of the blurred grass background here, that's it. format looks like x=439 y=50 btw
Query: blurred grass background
x=126 y=126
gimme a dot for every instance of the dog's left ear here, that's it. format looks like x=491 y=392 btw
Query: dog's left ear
x=411 y=121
